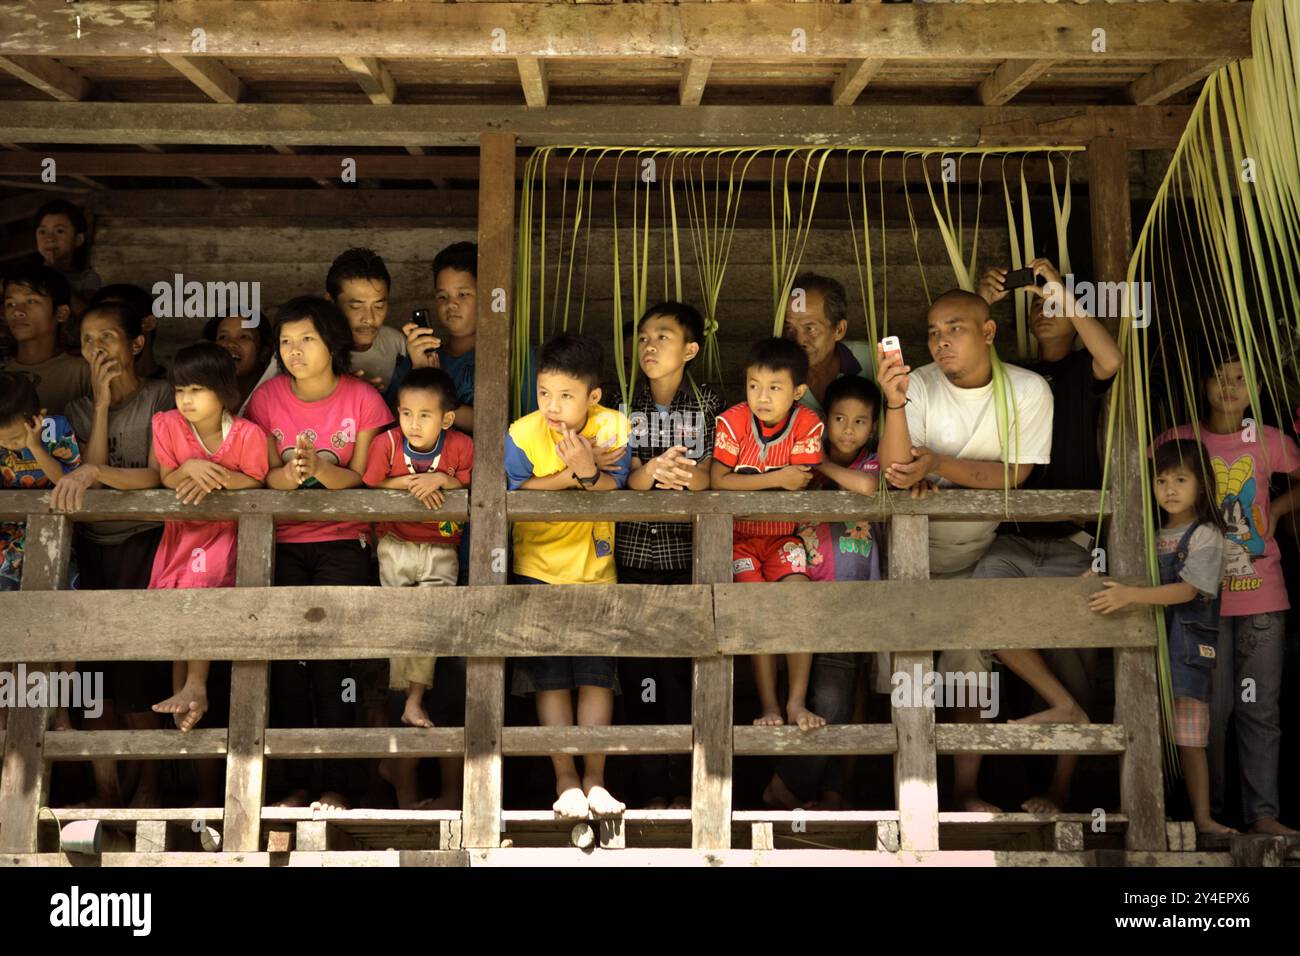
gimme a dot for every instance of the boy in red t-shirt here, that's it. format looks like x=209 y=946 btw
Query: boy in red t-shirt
x=771 y=441
x=425 y=457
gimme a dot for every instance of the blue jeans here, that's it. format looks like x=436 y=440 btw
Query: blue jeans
x=1251 y=647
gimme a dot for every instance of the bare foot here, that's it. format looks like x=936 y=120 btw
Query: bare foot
x=187 y=706
x=770 y=718
x=656 y=803
x=1273 y=827
x=804 y=718
x=1208 y=825
x=414 y=715
x=572 y=804
x=601 y=802
x=1044 y=803
x=298 y=798
x=777 y=794
x=1073 y=714
x=59 y=720
x=329 y=800
x=972 y=803
x=680 y=802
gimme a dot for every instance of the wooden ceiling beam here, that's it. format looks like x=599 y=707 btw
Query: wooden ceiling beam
x=532 y=76
x=210 y=76
x=853 y=79
x=1006 y=82
x=329 y=124
x=373 y=78
x=53 y=79
x=695 y=73
x=1167 y=79
x=336 y=28
x=289 y=165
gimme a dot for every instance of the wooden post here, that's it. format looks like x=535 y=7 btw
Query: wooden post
x=25 y=779
x=249 y=702
x=490 y=536
x=712 y=693
x=916 y=787
x=1137 y=692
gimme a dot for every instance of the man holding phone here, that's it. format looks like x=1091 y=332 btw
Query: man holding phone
x=941 y=426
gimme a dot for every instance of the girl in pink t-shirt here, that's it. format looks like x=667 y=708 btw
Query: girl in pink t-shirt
x=201 y=448
x=320 y=422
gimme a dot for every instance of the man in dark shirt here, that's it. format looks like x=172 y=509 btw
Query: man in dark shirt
x=1079 y=379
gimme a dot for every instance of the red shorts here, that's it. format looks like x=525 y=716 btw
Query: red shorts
x=767 y=557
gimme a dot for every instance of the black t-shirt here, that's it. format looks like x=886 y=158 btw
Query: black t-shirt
x=1077 y=398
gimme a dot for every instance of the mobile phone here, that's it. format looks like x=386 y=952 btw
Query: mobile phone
x=421 y=317
x=890 y=347
x=1019 y=278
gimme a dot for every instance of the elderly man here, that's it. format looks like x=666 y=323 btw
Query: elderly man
x=817 y=317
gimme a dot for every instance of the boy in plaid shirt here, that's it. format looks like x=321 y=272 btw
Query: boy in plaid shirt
x=671 y=439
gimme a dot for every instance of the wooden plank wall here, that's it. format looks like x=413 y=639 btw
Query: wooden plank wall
x=292 y=259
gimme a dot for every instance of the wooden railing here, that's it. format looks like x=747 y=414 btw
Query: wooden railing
x=709 y=621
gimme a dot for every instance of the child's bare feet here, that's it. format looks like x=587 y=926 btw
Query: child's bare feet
x=804 y=718
x=187 y=706
x=414 y=714
x=1208 y=825
x=295 y=799
x=601 y=803
x=59 y=720
x=329 y=800
x=1273 y=827
x=1049 y=802
x=680 y=802
x=973 y=803
x=572 y=803
x=1073 y=714
x=777 y=794
x=656 y=803
x=770 y=718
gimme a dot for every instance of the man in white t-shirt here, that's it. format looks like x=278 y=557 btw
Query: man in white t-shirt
x=942 y=426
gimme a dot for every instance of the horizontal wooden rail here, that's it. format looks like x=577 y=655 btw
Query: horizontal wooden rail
x=160 y=503
x=749 y=741
x=964 y=505
x=333 y=623
x=381 y=505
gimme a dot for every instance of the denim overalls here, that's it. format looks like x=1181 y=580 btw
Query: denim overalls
x=1192 y=629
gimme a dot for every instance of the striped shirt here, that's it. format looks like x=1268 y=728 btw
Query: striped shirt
x=746 y=446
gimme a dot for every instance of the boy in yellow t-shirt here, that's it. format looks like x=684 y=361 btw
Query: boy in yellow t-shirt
x=570 y=442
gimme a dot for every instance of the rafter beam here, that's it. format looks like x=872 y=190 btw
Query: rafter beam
x=330 y=124
x=373 y=78
x=695 y=73
x=853 y=79
x=1167 y=79
x=51 y=78
x=217 y=82
x=920 y=31
x=1005 y=83
x=532 y=76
